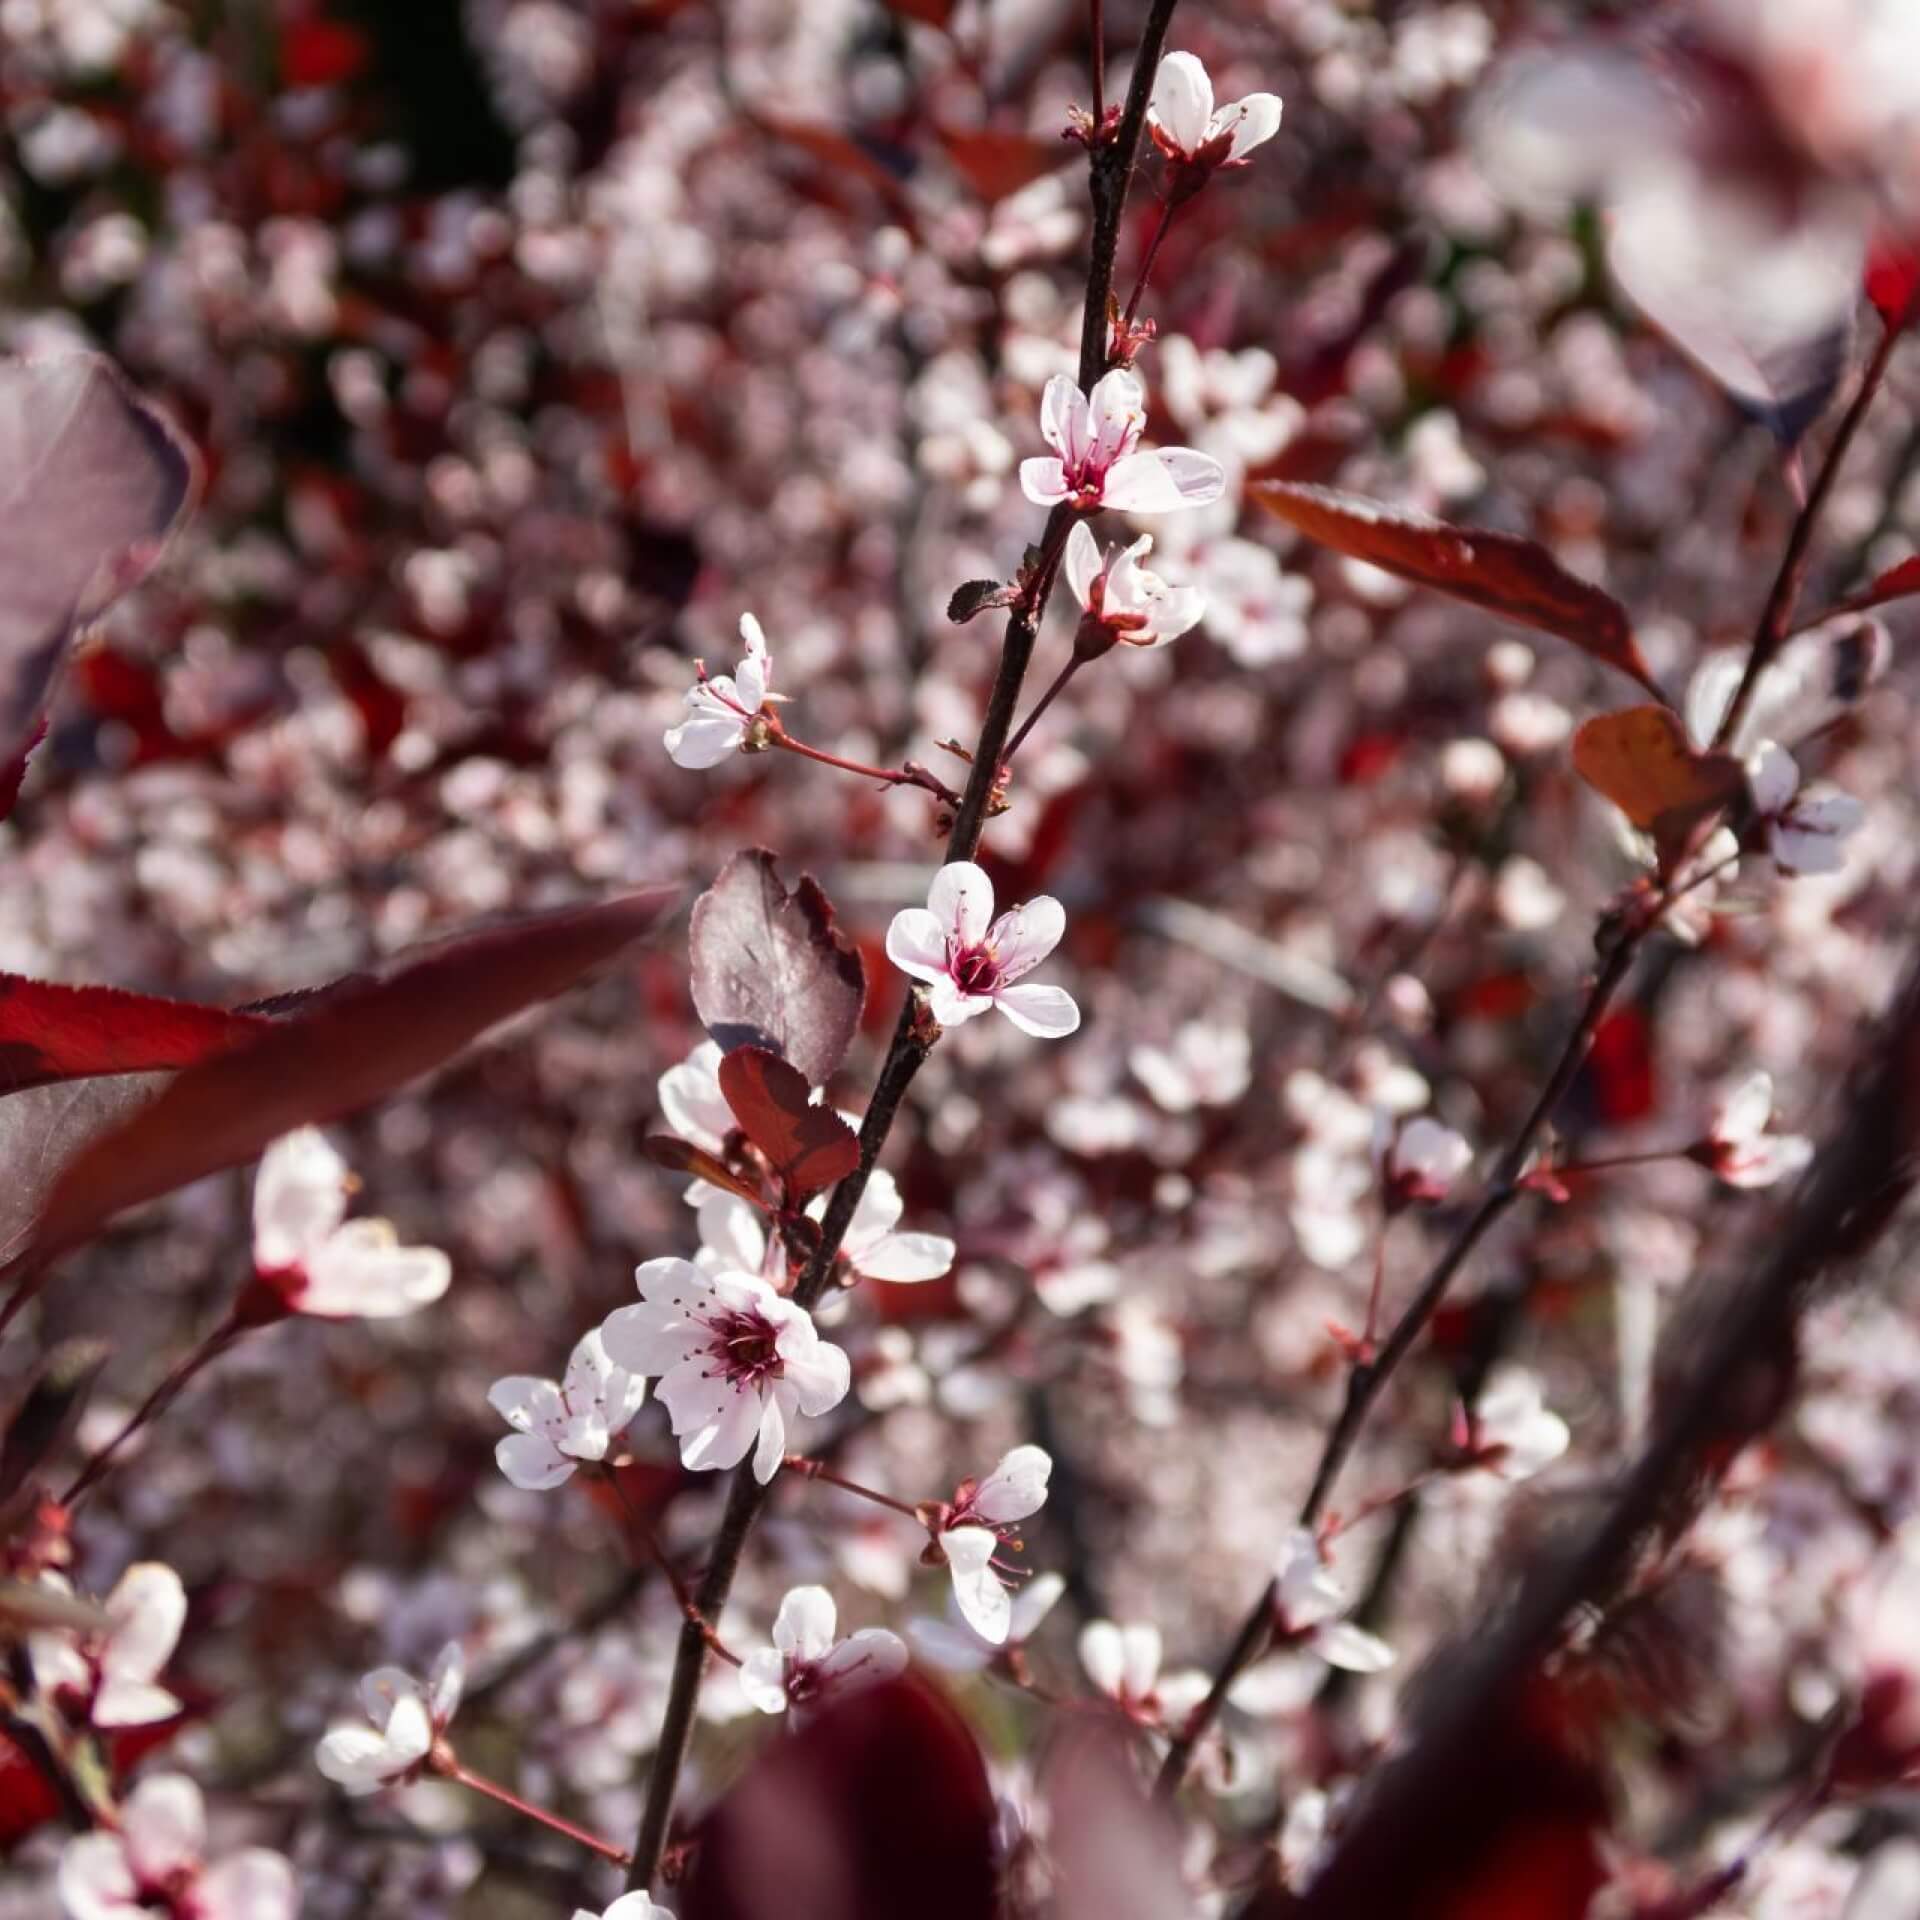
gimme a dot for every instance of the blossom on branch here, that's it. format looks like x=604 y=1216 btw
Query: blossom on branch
x=1096 y=460
x=806 y=1662
x=971 y=961
x=733 y=1362
x=404 y=1719
x=311 y=1259
x=1192 y=132
x=721 y=710
x=557 y=1426
x=1806 y=826
x=154 y=1862
x=1514 y=1432
x=1121 y=600
x=1738 y=1147
x=1124 y=1663
x=1419 y=1160
x=978 y=1524
x=1308 y=1600
x=112 y=1679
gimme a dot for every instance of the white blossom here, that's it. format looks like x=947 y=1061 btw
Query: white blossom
x=733 y=1362
x=953 y=1644
x=1419 y=1159
x=1308 y=1599
x=116 y=1674
x=978 y=1525
x=155 y=1861
x=1203 y=1066
x=805 y=1661
x=972 y=961
x=1738 y=1147
x=721 y=709
x=1124 y=1663
x=318 y=1261
x=1806 y=826
x=558 y=1425
x=630 y=1906
x=403 y=1720
x=691 y=1102
x=1097 y=460
x=1118 y=594
x=1515 y=1433
x=1187 y=126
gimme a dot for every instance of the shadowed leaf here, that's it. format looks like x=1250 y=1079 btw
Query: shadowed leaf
x=682 y=1156
x=50 y=1032
x=1641 y=760
x=808 y=1145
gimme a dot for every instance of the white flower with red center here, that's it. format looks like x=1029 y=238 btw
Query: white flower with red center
x=1513 y=1431
x=112 y=1679
x=1738 y=1148
x=1124 y=1663
x=1806 y=826
x=976 y=1527
x=155 y=1862
x=404 y=1719
x=1097 y=460
x=558 y=1425
x=805 y=1662
x=1419 y=1160
x=312 y=1259
x=733 y=1362
x=1308 y=1600
x=1121 y=600
x=971 y=961
x=1191 y=131
x=721 y=710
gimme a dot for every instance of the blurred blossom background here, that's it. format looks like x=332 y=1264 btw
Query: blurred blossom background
x=528 y=344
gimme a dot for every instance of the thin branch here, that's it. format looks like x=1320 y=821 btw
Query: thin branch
x=1110 y=171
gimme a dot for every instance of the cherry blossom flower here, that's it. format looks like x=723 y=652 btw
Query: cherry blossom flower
x=155 y=1862
x=1308 y=1600
x=1738 y=1147
x=972 y=961
x=1204 y=1066
x=805 y=1662
x=311 y=1259
x=113 y=1678
x=733 y=1238
x=630 y=1906
x=1121 y=599
x=1805 y=825
x=1097 y=460
x=406 y=1719
x=1513 y=1431
x=975 y=1527
x=951 y=1643
x=733 y=1362
x=1124 y=1663
x=1419 y=1160
x=1190 y=130
x=557 y=1426
x=721 y=710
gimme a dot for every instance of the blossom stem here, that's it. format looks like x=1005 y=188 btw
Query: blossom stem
x=1109 y=172
x=1651 y=1157
x=819 y=1470
x=1040 y=706
x=1147 y=259
x=656 y=1550
x=1776 y=617
x=156 y=1403
x=493 y=1790
x=909 y=775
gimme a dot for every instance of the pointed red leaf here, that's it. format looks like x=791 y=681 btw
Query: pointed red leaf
x=1894 y=584
x=995 y=164
x=808 y=1145
x=1517 y=579
x=340 y=1050
x=682 y=1156
x=50 y=1032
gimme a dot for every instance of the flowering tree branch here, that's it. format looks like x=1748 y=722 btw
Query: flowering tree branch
x=1110 y=172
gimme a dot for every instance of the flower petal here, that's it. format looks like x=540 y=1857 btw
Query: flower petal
x=299 y=1197
x=1047 y=1013
x=96 y=1880
x=961 y=900
x=805 y=1623
x=772 y=1446
x=763 y=1680
x=1042 y=479
x=704 y=740
x=1017 y=1487
x=254 y=1884
x=1023 y=938
x=1182 y=102
x=1341 y=1644
x=1254 y=120
x=1772 y=778
x=903 y=1258
x=917 y=944
x=1062 y=415
x=532 y=1462
x=1082 y=563
x=977 y=1591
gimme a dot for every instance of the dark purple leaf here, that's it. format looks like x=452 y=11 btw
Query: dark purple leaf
x=808 y=1145
x=770 y=971
x=92 y=481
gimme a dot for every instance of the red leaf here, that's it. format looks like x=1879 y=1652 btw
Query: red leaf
x=1893 y=278
x=877 y=1809
x=809 y=1146
x=681 y=1156
x=92 y=481
x=770 y=971
x=1894 y=584
x=1641 y=759
x=27 y=1797
x=339 y=1050
x=997 y=164
x=1515 y=578
x=843 y=158
x=50 y=1033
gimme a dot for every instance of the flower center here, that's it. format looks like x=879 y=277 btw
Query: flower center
x=746 y=1345
x=975 y=970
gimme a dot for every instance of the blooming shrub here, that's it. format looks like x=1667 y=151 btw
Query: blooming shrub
x=550 y=1358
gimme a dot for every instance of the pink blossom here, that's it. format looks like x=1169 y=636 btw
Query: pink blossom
x=733 y=1362
x=1096 y=462
x=805 y=1661
x=1188 y=128
x=1121 y=600
x=404 y=1717
x=1806 y=826
x=1419 y=1160
x=1738 y=1147
x=556 y=1426
x=971 y=961
x=114 y=1677
x=316 y=1260
x=977 y=1526
x=721 y=710
x=155 y=1862
x=1309 y=1600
